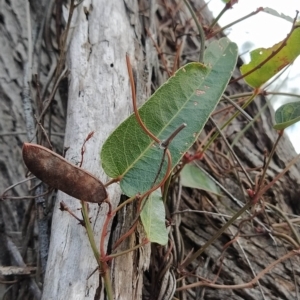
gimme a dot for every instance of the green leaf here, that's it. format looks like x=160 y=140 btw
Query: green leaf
x=153 y=219
x=194 y=177
x=273 y=12
x=287 y=115
x=189 y=96
x=280 y=60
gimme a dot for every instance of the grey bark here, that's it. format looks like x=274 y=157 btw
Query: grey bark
x=99 y=99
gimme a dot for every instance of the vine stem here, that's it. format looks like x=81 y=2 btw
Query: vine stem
x=136 y=113
x=103 y=265
x=111 y=256
x=200 y=30
x=232 y=152
x=145 y=195
x=254 y=200
x=290 y=224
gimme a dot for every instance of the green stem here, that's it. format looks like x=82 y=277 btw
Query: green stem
x=249 y=118
x=283 y=94
x=240 y=95
x=287 y=238
x=90 y=232
x=129 y=200
x=200 y=30
x=225 y=8
x=102 y=265
x=111 y=256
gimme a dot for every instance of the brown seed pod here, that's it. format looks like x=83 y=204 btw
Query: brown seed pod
x=57 y=172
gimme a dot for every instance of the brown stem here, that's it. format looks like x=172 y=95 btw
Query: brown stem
x=136 y=113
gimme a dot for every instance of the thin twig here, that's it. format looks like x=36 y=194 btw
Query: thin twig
x=232 y=152
x=242 y=111
x=235 y=22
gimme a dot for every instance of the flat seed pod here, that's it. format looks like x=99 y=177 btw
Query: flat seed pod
x=58 y=173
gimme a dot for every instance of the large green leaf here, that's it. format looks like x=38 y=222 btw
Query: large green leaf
x=287 y=115
x=194 y=177
x=153 y=219
x=280 y=60
x=188 y=97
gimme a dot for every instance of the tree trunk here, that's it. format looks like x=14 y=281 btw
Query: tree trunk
x=99 y=98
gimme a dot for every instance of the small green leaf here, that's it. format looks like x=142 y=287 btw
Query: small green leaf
x=189 y=96
x=153 y=219
x=280 y=60
x=287 y=115
x=193 y=177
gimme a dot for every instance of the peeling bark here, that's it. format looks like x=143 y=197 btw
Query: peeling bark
x=99 y=99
